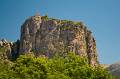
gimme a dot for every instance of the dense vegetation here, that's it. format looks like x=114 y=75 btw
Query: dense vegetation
x=70 y=66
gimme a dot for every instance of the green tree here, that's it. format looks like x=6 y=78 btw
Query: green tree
x=29 y=67
x=69 y=66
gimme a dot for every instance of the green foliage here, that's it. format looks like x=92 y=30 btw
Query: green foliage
x=45 y=17
x=64 y=21
x=70 y=66
x=78 y=23
x=2 y=50
x=3 y=53
x=71 y=22
x=5 y=70
x=28 y=67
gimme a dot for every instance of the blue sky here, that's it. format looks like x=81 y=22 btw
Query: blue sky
x=100 y=16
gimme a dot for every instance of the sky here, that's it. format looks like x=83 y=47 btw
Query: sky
x=102 y=17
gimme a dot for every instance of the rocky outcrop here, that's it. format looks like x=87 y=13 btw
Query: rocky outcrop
x=5 y=49
x=9 y=50
x=46 y=36
x=114 y=69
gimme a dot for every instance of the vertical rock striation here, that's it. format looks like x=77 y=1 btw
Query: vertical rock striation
x=46 y=36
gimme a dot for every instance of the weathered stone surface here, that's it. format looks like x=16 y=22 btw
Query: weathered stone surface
x=5 y=49
x=9 y=50
x=47 y=37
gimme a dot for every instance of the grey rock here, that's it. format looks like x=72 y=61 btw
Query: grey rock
x=5 y=47
x=114 y=69
x=47 y=37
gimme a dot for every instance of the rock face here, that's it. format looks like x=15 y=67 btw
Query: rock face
x=5 y=49
x=114 y=69
x=9 y=50
x=46 y=36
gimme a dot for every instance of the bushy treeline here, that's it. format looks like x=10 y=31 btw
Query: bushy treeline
x=70 y=66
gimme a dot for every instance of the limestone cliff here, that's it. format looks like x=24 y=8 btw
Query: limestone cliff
x=5 y=49
x=47 y=36
x=9 y=50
